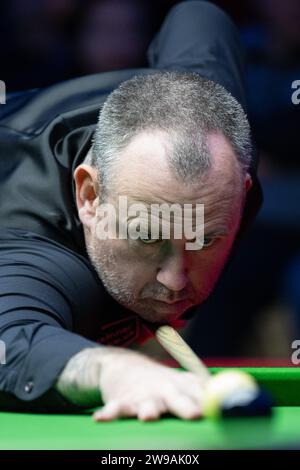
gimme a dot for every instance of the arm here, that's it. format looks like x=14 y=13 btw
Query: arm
x=197 y=36
x=37 y=312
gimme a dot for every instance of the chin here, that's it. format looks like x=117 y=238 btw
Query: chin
x=157 y=317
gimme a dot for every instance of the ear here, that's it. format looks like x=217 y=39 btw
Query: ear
x=87 y=193
x=248 y=182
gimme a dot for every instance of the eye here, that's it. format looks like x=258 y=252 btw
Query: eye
x=147 y=240
x=208 y=241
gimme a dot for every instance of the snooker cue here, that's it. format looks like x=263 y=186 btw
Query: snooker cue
x=259 y=403
x=175 y=345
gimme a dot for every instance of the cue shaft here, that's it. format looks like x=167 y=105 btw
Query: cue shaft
x=171 y=340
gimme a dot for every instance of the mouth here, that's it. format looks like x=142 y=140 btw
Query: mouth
x=178 y=306
x=174 y=302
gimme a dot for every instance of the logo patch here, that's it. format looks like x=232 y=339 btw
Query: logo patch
x=119 y=333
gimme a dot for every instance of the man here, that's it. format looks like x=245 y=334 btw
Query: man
x=71 y=300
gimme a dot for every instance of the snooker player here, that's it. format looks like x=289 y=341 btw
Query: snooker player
x=72 y=303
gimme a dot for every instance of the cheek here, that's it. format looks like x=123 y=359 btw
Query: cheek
x=135 y=265
x=208 y=266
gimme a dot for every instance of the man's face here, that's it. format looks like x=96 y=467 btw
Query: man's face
x=161 y=280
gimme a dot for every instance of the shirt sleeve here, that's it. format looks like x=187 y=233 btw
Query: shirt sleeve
x=39 y=301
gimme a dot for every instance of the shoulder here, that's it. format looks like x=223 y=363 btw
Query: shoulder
x=27 y=254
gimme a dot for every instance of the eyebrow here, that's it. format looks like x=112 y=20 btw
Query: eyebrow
x=217 y=232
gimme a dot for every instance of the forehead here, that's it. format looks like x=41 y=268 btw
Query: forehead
x=144 y=173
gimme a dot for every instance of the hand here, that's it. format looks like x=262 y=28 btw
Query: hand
x=133 y=385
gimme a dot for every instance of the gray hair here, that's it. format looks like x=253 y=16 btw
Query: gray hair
x=186 y=106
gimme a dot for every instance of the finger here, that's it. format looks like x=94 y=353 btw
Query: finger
x=193 y=395
x=108 y=412
x=191 y=379
x=150 y=410
x=182 y=406
x=116 y=409
x=193 y=390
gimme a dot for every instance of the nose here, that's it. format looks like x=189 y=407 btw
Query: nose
x=173 y=273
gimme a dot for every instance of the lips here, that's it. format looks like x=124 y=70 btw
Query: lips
x=174 y=302
x=178 y=305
